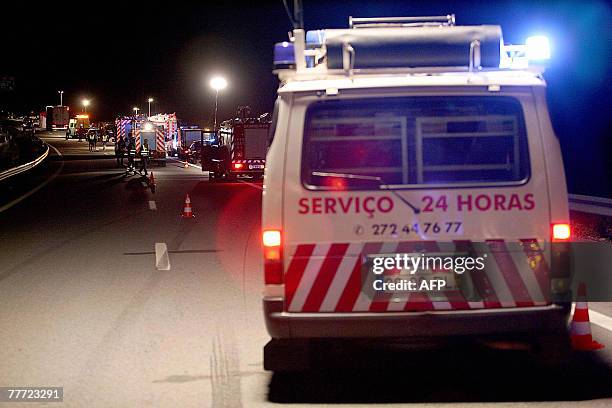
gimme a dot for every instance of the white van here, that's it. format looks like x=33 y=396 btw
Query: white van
x=405 y=138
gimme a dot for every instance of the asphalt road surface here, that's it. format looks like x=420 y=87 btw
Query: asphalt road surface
x=83 y=306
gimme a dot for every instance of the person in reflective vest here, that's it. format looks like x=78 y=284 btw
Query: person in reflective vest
x=131 y=154
x=144 y=156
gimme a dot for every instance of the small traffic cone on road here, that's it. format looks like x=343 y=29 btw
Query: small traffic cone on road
x=186 y=165
x=187 y=213
x=580 y=330
x=152 y=183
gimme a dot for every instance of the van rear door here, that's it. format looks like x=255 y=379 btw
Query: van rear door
x=449 y=175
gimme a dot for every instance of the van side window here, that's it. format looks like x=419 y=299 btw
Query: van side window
x=415 y=141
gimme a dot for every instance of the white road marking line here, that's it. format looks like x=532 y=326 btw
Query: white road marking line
x=35 y=189
x=162 y=260
x=152 y=205
x=200 y=167
x=601 y=320
x=184 y=162
x=251 y=184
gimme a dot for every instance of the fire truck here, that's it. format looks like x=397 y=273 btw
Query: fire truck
x=159 y=130
x=241 y=149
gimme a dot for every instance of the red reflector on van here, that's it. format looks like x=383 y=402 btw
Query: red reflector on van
x=237 y=165
x=561 y=232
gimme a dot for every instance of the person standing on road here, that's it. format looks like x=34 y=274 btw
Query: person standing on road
x=89 y=140
x=120 y=151
x=131 y=154
x=144 y=157
x=94 y=141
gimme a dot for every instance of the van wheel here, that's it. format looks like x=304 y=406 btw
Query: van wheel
x=287 y=355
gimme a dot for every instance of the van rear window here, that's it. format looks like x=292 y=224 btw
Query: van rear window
x=415 y=141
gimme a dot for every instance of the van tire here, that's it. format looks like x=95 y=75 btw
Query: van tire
x=287 y=355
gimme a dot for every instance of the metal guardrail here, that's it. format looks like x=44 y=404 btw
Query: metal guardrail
x=592 y=205
x=24 y=167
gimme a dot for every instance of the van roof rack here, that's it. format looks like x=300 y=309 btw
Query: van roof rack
x=387 y=45
x=369 y=22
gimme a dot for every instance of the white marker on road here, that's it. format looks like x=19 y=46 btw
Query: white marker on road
x=162 y=260
x=251 y=184
x=152 y=205
x=187 y=163
x=35 y=189
x=601 y=320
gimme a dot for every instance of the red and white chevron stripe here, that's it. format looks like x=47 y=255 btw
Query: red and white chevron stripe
x=120 y=124
x=160 y=142
x=137 y=138
x=249 y=161
x=328 y=278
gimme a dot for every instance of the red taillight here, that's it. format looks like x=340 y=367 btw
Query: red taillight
x=237 y=165
x=561 y=232
x=273 y=257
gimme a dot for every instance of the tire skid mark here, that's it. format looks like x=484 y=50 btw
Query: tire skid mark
x=225 y=373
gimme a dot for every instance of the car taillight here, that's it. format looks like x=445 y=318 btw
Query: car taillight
x=273 y=257
x=238 y=165
x=561 y=232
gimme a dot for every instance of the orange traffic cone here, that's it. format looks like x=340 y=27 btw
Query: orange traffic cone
x=151 y=180
x=186 y=165
x=580 y=330
x=187 y=213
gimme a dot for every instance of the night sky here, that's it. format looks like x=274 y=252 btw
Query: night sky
x=119 y=53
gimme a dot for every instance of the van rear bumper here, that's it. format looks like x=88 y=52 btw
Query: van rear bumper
x=526 y=320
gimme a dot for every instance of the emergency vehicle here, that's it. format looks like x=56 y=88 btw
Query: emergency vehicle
x=243 y=144
x=188 y=136
x=78 y=122
x=57 y=117
x=412 y=136
x=159 y=130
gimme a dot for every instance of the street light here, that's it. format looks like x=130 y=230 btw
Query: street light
x=61 y=93
x=135 y=109
x=217 y=83
x=150 y=100
x=85 y=103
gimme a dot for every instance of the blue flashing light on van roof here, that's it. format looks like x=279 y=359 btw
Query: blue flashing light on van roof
x=538 y=48
x=284 y=55
x=315 y=38
x=427 y=44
